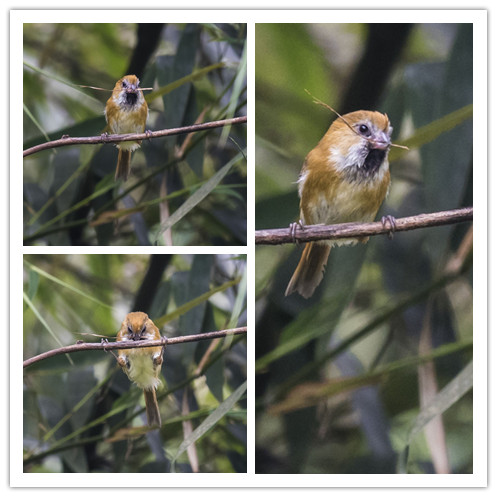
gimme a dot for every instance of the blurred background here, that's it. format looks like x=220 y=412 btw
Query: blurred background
x=342 y=378
x=80 y=411
x=198 y=73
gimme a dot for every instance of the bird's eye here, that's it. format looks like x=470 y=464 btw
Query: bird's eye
x=130 y=329
x=125 y=83
x=364 y=130
x=144 y=329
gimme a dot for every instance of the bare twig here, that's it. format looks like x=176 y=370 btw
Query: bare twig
x=78 y=347
x=354 y=230
x=465 y=247
x=104 y=138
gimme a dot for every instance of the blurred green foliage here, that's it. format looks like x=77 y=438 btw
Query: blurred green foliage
x=327 y=398
x=69 y=191
x=81 y=413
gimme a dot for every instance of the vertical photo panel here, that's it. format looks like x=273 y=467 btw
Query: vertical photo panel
x=364 y=342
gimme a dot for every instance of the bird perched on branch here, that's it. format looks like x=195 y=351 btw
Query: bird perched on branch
x=126 y=112
x=345 y=178
x=142 y=365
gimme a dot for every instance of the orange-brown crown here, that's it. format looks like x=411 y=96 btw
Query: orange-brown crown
x=129 y=83
x=371 y=126
x=138 y=326
x=379 y=120
x=136 y=321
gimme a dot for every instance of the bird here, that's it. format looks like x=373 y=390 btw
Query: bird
x=345 y=178
x=126 y=111
x=142 y=365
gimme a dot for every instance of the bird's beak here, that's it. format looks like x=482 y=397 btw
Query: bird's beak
x=381 y=141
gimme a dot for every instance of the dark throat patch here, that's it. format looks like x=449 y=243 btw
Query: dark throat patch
x=373 y=161
x=131 y=98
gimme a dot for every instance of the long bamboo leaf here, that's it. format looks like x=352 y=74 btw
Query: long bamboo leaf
x=65 y=285
x=211 y=421
x=197 y=197
x=448 y=396
x=429 y=132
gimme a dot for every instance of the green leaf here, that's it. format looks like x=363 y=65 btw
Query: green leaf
x=312 y=393
x=28 y=301
x=34 y=280
x=195 y=75
x=428 y=133
x=59 y=79
x=197 y=197
x=103 y=186
x=64 y=284
x=447 y=397
x=35 y=122
x=183 y=309
x=240 y=302
x=238 y=86
x=210 y=421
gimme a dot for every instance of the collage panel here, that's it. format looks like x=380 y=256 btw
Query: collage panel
x=181 y=88
x=355 y=123
x=177 y=406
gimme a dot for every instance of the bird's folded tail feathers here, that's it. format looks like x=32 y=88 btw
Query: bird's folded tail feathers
x=310 y=269
x=123 y=164
x=152 y=408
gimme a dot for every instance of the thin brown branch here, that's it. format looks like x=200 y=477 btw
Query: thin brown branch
x=79 y=347
x=104 y=138
x=354 y=230
x=465 y=247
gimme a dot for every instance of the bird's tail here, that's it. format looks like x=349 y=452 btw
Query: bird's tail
x=310 y=269
x=152 y=408
x=123 y=164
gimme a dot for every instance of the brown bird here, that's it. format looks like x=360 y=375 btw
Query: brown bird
x=142 y=365
x=126 y=112
x=345 y=178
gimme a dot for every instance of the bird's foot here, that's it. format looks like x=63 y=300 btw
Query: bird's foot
x=293 y=229
x=390 y=220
